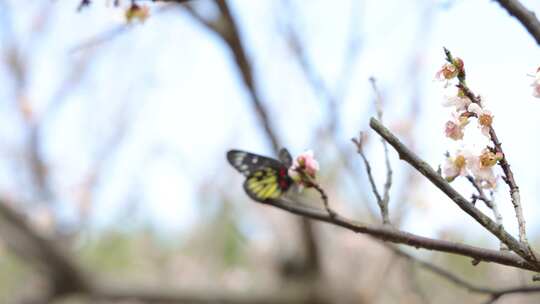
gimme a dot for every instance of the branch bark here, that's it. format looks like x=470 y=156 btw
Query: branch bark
x=526 y=17
x=393 y=235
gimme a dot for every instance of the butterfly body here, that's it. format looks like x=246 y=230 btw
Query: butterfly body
x=266 y=178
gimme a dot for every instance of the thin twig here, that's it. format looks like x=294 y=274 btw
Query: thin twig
x=489 y=202
x=383 y=208
x=481 y=194
x=309 y=182
x=324 y=198
x=388 y=182
x=426 y=170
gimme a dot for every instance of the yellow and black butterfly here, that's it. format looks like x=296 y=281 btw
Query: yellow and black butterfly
x=266 y=178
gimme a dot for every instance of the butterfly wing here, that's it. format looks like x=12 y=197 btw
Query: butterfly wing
x=266 y=178
x=263 y=184
x=247 y=163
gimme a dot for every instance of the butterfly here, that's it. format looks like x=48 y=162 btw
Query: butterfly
x=266 y=178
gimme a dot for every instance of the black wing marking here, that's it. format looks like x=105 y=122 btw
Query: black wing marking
x=247 y=163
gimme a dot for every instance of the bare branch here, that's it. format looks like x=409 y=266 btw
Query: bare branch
x=489 y=202
x=390 y=234
x=388 y=183
x=23 y=240
x=383 y=208
x=526 y=17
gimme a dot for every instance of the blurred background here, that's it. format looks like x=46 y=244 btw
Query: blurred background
x=114 y=129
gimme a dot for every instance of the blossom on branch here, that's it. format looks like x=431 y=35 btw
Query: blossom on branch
x=459 y=101
x=304 y=169
x=449 y=71
x=485 y=118
x=454 y=128
x=456 y=166
x=482 y=168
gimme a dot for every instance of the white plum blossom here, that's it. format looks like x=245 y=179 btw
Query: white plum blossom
x=460 y=103
x=457 y=165
x=481 y=168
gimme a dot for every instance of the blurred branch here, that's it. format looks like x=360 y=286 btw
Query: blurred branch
x=526 y=17
x=447 y=275
x=22 y=239
x=69 y=280
x=85 y=3
x=426 y=170
x=154 y=295
x=333 y=97
x=226 y=28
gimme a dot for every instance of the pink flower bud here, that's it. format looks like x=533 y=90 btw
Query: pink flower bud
x=304 y=167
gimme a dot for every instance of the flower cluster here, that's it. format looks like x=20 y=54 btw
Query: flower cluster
x=463 y=162
x=304 y=169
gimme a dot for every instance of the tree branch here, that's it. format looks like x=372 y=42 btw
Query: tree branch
x=146 y=295
x=382 y=207
x=22 y=239
x=393 y=235
x=526 y=17
x=388 y=183
x=426 y=170
x=490 y=203
x=494 y=293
